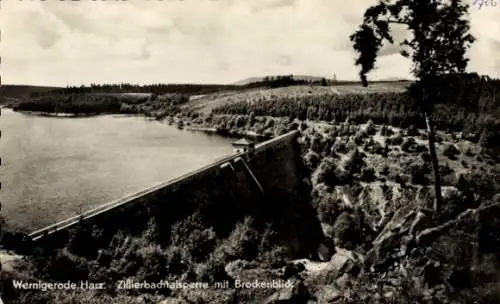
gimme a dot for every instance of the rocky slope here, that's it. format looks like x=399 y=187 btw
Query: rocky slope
x=372 y=190
x=371 y=187
x=373 y=195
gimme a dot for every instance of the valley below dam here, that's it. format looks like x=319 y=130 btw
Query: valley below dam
x=55 y=168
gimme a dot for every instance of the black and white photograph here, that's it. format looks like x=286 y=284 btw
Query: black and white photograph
x=249 y=151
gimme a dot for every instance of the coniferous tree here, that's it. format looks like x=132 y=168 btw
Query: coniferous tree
x=439 y=39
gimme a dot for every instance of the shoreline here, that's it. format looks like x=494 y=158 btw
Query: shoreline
x=184 y=122
x=227 y=133
x=71 y=115
x=58 y=115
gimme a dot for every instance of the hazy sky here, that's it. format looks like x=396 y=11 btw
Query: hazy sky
x=219 y=41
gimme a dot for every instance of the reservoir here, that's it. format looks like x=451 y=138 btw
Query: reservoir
x=54 y=168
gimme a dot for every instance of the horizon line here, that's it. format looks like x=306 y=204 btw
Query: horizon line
x=235 y=83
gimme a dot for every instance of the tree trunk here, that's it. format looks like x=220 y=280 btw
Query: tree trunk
x=438 y=199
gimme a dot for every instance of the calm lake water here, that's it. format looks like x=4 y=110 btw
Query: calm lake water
x=54 y=168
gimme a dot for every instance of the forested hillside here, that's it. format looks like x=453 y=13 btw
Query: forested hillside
x=467 y=103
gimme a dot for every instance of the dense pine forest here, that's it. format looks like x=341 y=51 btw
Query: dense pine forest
x=104 y=103
x=191 y=89
x=131 y=88
x=468 y=103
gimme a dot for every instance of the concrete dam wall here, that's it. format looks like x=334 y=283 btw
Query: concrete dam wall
x=266 y=184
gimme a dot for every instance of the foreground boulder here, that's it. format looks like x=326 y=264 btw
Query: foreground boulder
x=396 y=239
x=343 y=262
x=326 y=249
x=297 y=293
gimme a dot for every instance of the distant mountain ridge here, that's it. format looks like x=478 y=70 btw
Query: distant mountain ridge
x=261 y=78
x=248 y=80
